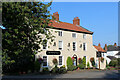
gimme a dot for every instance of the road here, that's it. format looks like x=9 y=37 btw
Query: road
x=75 y=74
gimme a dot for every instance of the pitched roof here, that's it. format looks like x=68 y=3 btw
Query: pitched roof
x=112 y=48
x=69 y=26
x=100 y=49
x=111 y=57
x=118 y=53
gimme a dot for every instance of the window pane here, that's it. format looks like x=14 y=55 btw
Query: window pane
x=74 y=35
x=74 y=46
x=84 y=36
x=60 y=45
x=44 y=60
x=60 y=60
x=60 y=33
x=84 y=46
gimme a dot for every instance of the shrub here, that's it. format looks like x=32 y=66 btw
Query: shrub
x=84 y=61
x=92 y=61
x=37 y=65
x=81 y=66
x=75 y=67
x=79 y=60
x=55 y=62
x=69 y=61
x=107 y=64
x=40 y=60
x=70 y=67
x=45 y=70
x=88 y=65
x=62 y=70
x=118 y=61
x=113 y=63
x=55 y=70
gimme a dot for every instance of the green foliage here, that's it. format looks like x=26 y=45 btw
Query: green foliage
x=37 y=65
x=22 y=22
x=45 y=70
x=79 y=60
x=118 y=62
x=107 y=64
x=113 y=63
x=88 y=65
x=84 y=61
x=75 y=67
x=81 y=66
x=62 y=70
x=92 y=60
x=55 y=70
x=69 y=61
x=70 y=66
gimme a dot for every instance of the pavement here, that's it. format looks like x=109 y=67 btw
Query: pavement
x=74 y=74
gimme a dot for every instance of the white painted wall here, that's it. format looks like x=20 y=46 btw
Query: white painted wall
x=111 y=53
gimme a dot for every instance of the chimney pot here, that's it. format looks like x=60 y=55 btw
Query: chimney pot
x=99 y=45
x=115 y=44
x=76 y=21
x=105 y=47
x=56 y=16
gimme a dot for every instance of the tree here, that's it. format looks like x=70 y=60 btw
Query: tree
x=84 y=61
x=70 y=66
x=88 y=65
x=69 y=61
x=23 y=21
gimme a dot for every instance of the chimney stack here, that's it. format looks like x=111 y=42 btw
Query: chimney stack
x=99 y=45
x=56 y=16
x=76 y=21
x=105 y=47
x=115 y=44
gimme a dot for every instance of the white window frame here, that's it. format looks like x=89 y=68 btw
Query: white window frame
x=61 y=33
x=62 y=61
x=47 y=62
x=75 y=45
x=84 y=36
x=75 y=35
x=62 y=44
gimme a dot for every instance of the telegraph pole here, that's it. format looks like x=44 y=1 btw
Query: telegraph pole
x=99 y=63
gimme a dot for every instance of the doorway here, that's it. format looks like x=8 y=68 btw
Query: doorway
x=75 y=60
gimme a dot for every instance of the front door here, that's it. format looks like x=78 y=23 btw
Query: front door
x=75 y=60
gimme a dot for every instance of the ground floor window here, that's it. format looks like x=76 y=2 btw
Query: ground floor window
x=60 y=60
x=44 y=60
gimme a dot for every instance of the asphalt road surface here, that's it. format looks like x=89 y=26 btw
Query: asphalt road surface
x=111 y=74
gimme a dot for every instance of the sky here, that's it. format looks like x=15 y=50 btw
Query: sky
x=98 y=17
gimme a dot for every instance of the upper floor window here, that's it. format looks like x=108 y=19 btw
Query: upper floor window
x=84 y=46
x=60 y=33
x=60 y=45
x=74 y=46
x=44 y=44
x=74 y=35
x=84 y=36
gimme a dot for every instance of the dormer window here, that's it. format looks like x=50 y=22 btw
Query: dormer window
x=60 y=33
